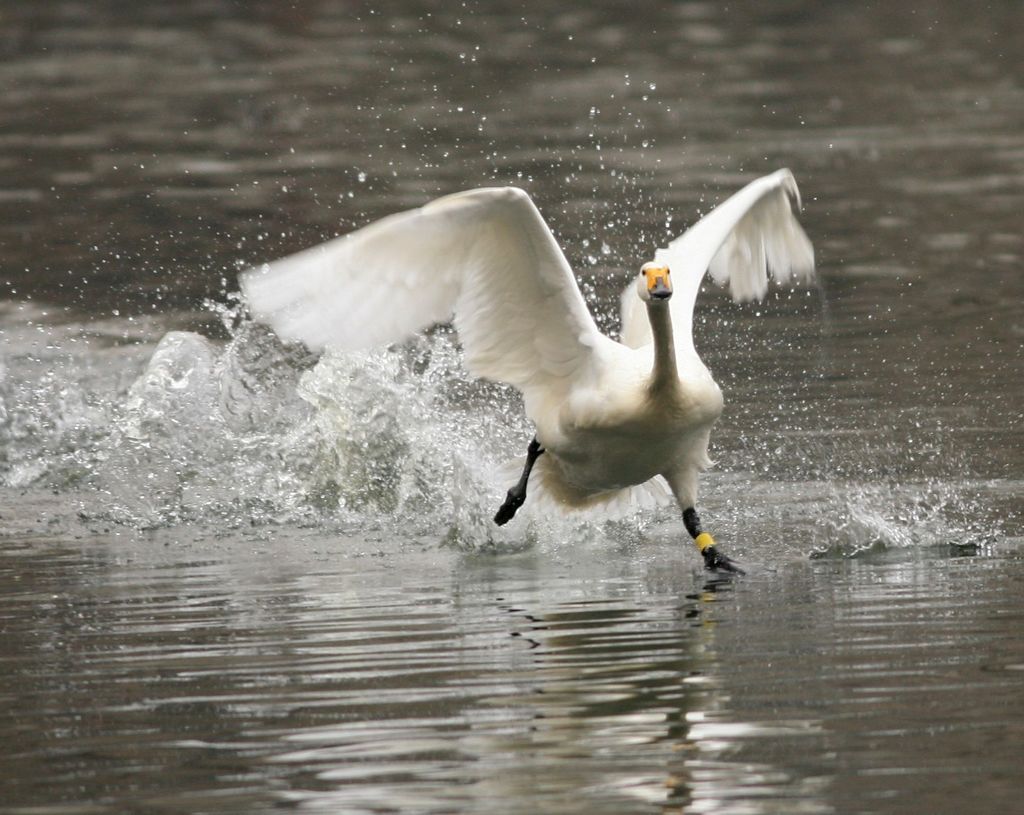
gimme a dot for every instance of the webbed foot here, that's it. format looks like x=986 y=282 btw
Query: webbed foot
x=513 y=500
x=716 y=561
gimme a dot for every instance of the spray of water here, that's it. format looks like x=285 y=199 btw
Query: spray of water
x=395 y=443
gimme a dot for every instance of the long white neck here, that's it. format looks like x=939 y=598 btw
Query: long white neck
x=665 y=374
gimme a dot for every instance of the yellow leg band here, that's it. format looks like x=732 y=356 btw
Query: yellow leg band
x=703 y=541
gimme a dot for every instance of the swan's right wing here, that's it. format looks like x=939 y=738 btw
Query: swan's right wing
x=485 y=257
x=741 y=241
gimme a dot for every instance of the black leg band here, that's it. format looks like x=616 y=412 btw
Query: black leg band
x=692 y=522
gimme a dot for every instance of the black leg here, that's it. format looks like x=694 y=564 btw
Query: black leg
x=713 y=559
x=517 y=495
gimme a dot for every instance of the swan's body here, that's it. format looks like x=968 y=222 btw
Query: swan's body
x=620 y=430
x=613 y=418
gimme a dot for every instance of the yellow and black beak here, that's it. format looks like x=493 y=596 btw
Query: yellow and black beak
x=659 y=285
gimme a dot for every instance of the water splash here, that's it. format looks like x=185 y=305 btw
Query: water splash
x=254 y=433
x=398 y=444
x=200 y=434
x=865 y=519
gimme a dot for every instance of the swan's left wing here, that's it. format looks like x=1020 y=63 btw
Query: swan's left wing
x=741 y=241
x=484 y=257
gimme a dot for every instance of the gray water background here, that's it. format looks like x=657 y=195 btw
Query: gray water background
x=235 y=578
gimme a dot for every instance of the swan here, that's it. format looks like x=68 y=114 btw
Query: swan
x=612 y=419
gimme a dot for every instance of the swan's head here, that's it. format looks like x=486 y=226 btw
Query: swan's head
x=654 y=283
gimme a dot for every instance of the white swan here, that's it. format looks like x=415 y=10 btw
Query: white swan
x=609 y=416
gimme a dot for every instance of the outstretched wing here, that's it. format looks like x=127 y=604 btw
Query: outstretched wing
x=485 y=257
x=751 y=235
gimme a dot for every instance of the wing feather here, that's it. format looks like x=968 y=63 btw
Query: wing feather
x=484 y=257
x=636 y=327
x=751 y=235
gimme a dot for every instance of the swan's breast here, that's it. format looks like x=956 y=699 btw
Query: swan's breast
x=619 y=438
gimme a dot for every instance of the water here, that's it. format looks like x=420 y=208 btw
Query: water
x=235 y=577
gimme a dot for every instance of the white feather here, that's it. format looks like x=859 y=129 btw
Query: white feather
x=752 y=234
x=636 y=328
x=485 y=257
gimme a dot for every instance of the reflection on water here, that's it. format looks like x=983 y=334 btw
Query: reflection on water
x=237 y=578
x=349 y=679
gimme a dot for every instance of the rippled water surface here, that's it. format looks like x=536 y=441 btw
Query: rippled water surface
x=235 y=577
